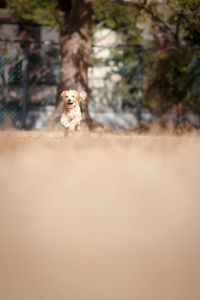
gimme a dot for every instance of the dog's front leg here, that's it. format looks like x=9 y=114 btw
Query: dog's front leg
x=66 y=132
x=77 y=126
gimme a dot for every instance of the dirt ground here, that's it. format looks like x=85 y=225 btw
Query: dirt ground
x=99 y=216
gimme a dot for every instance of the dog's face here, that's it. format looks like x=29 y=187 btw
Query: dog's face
x=70 y=98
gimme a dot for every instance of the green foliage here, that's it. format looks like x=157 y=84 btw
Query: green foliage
x=169 y=82
x=194 y=73
x=171 y=77
x=174 y=78
x=37 y=11
x=190 y=14
x=118 y=17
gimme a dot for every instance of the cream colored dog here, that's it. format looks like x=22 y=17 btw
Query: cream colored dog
x=71 y=116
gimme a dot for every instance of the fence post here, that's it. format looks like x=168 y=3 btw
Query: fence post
x=25 y=83
x=139 y=83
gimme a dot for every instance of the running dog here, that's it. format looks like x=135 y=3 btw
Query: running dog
x=71 y=116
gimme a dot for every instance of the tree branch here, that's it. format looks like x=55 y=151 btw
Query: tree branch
x=155 y=16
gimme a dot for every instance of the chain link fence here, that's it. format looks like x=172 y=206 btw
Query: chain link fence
x=127 y=83
x=115 y=81
x=28 y=82
x=131 y=84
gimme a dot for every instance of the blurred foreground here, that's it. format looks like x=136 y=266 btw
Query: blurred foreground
x=99 y=217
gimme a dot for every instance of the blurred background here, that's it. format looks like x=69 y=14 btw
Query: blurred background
x=102 y=214
x=141 y=60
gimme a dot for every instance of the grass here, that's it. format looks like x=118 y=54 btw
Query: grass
x=99 y=216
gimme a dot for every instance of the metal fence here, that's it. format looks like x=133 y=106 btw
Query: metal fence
x=145 y=84
x=116 y=80
x=125 y=81
x=28 y=80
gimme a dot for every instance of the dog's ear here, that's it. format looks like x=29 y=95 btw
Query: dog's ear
x=83 y=96
x=77 y=95
x=63 y=94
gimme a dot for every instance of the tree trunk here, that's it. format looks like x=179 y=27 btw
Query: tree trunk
x=179 y=112
x=75 y=18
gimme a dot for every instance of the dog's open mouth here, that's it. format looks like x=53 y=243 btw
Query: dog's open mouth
x=70 y=105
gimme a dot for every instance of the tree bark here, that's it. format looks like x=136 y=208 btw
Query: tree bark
x=75 y=18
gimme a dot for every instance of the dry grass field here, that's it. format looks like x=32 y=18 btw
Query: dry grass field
x=99 y=216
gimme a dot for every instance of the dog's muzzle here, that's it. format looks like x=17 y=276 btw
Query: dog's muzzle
x=70 y=103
